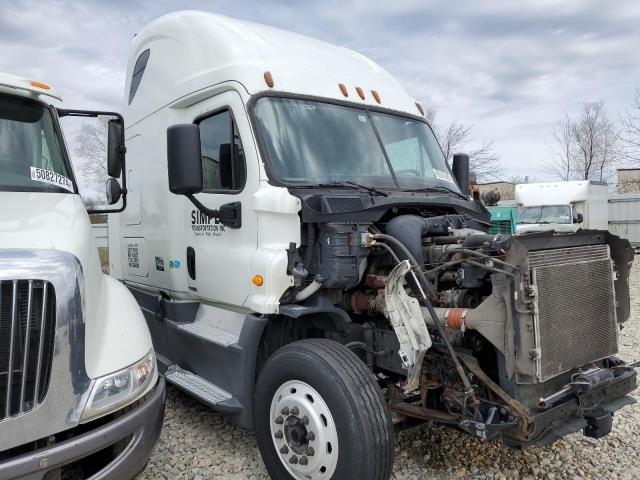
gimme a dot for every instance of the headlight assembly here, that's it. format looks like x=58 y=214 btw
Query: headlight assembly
x=118 y=389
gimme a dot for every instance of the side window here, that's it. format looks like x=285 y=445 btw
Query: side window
x=223 y=163
x=138 y=71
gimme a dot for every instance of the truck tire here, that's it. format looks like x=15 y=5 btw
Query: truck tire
x=320 y=414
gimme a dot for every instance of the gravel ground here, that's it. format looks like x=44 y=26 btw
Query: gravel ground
x=198 y=444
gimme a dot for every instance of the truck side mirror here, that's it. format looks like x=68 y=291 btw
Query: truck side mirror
x=579 y=218
x=115 y=148
x=184 y=160
x=184 y=164
x=460 y=167
x=114 y=191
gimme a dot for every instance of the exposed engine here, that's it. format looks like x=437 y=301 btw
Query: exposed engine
x=484 y=332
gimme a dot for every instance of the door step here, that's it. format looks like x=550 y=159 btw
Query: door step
x=200 y=388
x=209 y=333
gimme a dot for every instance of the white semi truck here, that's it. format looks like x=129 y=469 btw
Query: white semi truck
x=308 y=263
x=80 y=395
x=562 y=206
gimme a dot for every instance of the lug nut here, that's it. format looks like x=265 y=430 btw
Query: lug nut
x=284 y=450
x=311 y=436
x=310 y=452
x=293 y=460
x=305 y=420
x=279 y=420
x=295 y=411
x=285 y=411
x=304 y=460
x=278 y=434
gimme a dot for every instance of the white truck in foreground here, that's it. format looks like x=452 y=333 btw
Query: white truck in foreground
x=80 y=394
x=562 y=206
x=308 y=263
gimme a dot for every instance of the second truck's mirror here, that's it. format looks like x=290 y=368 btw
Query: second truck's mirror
x=579 y=218
x=183 y=159
x=115 y=149
x=114 y=191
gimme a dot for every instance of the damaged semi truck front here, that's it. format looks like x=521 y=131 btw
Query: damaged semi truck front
x=309 y=264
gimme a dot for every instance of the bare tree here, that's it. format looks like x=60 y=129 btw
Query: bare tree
x=457 y=138
x=630 y=132
x=454 y=137
x=563 y=151
x=485 y=162
x=586 y=148
x=91 y=148
x=595 y=137
x=517 y=179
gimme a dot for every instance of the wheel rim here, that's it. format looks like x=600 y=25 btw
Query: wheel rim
x=303 y=431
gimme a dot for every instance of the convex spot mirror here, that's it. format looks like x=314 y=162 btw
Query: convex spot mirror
x=579 y=218
x=115 y=148
x=114 y=191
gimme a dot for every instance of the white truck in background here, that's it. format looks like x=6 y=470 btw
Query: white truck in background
x=285 y=195
x=562 y=206
x=80 y=394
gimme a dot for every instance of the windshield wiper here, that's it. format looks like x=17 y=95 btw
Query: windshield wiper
x=350 y=184
x=438 y=189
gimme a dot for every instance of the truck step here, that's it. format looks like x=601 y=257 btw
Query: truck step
x=209 y=333
x=200 y=388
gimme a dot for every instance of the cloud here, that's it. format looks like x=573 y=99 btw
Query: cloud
x=508 y=68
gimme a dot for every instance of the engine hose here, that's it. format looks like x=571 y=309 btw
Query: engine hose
x=419 y=276
x=310 y=289
x=416 y=272
x=468 y=388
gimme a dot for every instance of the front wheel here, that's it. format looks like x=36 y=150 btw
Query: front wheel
x=320 y=415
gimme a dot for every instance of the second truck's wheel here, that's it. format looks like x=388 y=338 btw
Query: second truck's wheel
x=320 y=415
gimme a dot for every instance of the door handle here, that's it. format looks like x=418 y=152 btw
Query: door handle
x=191 y=262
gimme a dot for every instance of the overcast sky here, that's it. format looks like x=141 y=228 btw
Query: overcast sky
x=508 y=68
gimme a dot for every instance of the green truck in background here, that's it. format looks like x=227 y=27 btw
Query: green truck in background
x=503 y=217
x=503 y=220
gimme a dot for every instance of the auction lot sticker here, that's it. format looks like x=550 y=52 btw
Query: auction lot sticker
x=52 y=178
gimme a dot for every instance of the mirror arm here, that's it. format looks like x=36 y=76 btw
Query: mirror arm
x=120 y=209
x=229 y=214
x=66 y=112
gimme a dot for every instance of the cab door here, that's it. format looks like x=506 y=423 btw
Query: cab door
x=218 y=257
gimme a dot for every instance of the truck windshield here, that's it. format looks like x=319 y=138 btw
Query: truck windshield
x=31 y=156
x=545 y=214
x=310 y=143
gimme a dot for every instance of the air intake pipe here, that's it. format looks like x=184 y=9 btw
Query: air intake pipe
x=409 y=230
x=460 y=167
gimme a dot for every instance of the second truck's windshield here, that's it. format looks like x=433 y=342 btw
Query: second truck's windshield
x=311 y=142
x=545 y=214
x=31 y=157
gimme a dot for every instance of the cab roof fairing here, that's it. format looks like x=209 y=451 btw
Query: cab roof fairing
x=192 y=51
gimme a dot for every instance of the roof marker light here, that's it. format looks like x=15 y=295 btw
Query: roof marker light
x=420 y=108
x=360 y=92
x=268 y=79
x=343 y=89
x=376 y=95
x=41 y=85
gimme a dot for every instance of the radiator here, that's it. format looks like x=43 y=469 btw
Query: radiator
x=575 y=322
x=27 y=322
